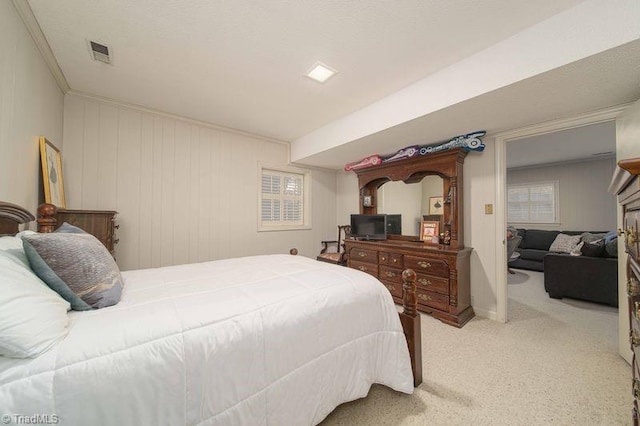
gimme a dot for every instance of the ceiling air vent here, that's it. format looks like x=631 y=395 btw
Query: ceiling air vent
x=99 y=52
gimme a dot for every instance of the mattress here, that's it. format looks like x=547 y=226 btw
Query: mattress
x=263 y=340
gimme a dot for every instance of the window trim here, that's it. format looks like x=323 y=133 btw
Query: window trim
x=556 y=202
x=306 y=198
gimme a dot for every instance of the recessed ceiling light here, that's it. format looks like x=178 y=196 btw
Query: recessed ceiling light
x=320 y=72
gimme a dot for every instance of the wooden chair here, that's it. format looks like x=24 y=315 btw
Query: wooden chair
x=339 y=256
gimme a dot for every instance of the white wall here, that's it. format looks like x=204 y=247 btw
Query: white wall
x=185 y=191
x=627 y=146
x=584 y=201
x=31 y=104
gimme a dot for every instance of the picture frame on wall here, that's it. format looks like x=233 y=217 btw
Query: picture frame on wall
x=430 y=231
x=436 y=205
x=51 y=161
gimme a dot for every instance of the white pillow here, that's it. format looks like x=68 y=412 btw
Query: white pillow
x=565 y=243
x=33 y=317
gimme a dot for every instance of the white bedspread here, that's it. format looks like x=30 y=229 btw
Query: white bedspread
x=265 y=340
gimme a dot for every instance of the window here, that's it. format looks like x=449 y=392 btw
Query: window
x=283 y=199
x=533 y=202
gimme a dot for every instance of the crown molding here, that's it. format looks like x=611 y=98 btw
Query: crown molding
x=30 y=21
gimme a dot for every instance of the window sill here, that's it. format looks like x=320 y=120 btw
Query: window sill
x=283 y=228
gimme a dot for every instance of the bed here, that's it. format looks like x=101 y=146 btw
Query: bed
x=262 y=340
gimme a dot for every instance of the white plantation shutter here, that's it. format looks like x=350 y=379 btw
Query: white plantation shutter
x=533 y=203
x=282 y=198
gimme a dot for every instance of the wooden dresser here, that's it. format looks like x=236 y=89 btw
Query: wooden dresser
x=99 y=223
x=443 y=288
x=626 y=184
x=442 y=269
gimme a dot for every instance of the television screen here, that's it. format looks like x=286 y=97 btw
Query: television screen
x=394 y=224
x=369 y=226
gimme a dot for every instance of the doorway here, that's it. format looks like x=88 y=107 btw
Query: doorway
x=501 y=141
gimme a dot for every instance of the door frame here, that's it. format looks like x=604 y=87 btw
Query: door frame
x=501 y=140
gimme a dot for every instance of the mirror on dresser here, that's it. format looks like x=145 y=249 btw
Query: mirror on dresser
x=411 y=201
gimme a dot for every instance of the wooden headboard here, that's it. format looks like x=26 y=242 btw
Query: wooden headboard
x=11 y=217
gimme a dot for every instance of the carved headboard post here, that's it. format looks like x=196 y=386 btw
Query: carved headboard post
x=47 y=218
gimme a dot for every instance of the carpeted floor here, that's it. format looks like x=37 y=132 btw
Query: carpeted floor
x=555 y=362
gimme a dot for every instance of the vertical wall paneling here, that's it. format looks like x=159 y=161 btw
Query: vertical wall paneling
x=90 y=152
x=185 y=192
x=74 y=125
x=107 y=139
x=31 y=104
x=145 y=193
x=168 y=191
x=156 y=192
x=128 y=184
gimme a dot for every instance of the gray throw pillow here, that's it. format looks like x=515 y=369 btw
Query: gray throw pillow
x=77 y=266
x=588 y=237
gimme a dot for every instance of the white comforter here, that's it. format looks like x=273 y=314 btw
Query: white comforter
x=265 y=340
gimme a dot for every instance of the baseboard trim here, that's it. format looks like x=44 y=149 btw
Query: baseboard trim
x=483 y=313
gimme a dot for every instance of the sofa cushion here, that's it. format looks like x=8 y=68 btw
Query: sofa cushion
x=538 y=239
x=564 y=243
x=532 y=254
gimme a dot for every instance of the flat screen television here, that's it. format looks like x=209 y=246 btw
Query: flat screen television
x=394 y=224
x=369 y=226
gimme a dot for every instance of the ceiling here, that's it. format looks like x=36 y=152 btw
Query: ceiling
x=608 y=79
x=240 y=64
x=591 y=142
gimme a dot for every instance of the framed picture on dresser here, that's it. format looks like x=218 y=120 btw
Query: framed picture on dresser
x=51 y=161
x=429 y=231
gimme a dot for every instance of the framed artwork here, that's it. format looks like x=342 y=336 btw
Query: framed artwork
x=436 y=205
x=430 y=231
x=52 y=173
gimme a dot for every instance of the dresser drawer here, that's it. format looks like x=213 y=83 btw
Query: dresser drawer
x=433 y=300
x=432 y=283
x=391 y=274
x=631 y=235
x=363 y=255
x=391 y=259
x=394 y=288
x=369 y=268
x=426 y=265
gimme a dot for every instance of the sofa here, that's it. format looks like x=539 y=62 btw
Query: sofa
x=592 y=277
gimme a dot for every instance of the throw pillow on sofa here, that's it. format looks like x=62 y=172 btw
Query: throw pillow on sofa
x=564 y=243
x=593 y=249
x=588 y=237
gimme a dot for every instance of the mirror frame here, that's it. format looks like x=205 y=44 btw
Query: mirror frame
x=446 y=164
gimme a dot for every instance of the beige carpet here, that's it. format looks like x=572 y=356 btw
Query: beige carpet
x=555 y=362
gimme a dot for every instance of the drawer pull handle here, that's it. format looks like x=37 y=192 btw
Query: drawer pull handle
x=425 y=297
x=636 y=388
x=634 y=340
x=362 y=254
x=362 y=268
x=384 y=259
x=425 y=281
x=390 y=274
x=424 y=264
x=395 y=260
x=633 y=288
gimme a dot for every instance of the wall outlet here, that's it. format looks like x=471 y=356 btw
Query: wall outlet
x=488 y=209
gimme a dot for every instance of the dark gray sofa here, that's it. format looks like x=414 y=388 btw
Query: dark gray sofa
x=594 y=279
